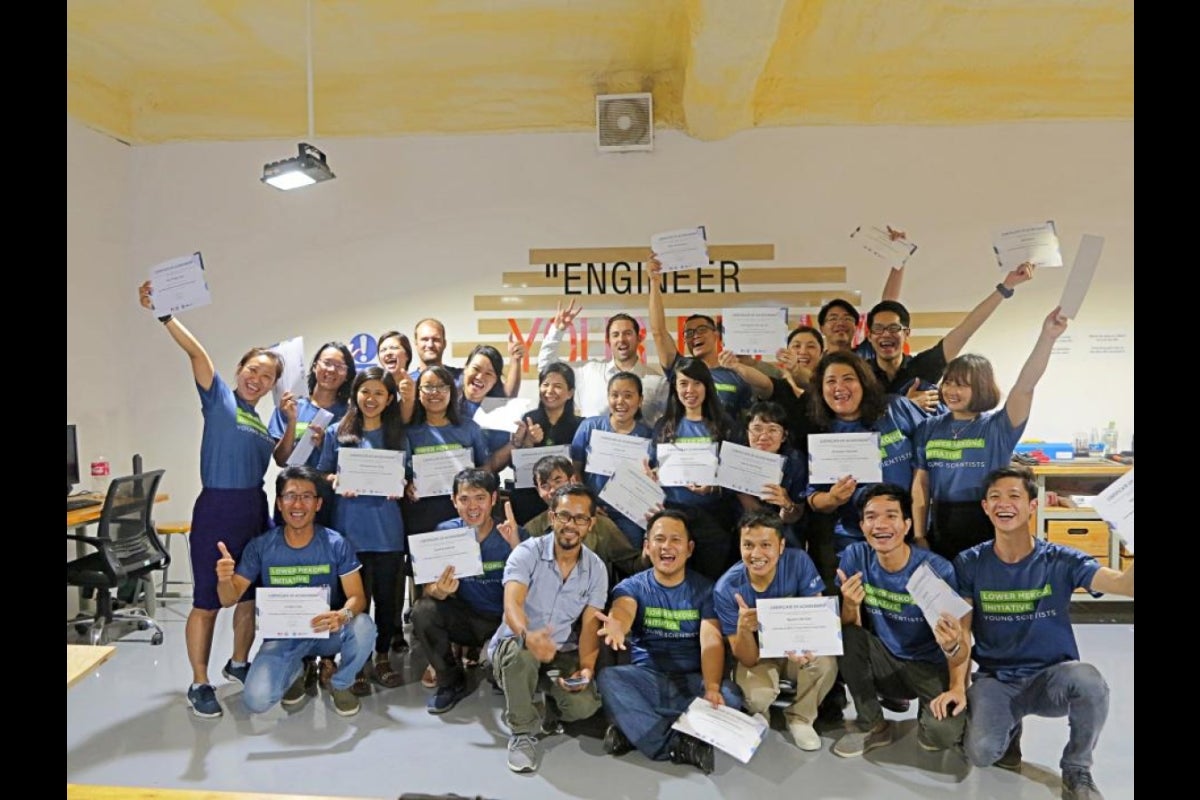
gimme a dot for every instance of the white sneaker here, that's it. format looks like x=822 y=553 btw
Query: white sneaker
x=805 y=736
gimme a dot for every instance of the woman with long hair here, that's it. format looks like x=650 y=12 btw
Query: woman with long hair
x=480 y=378
x=552 y=423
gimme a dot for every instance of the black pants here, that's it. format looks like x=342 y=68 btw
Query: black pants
x=712 y=529
x=958 y=526
x=437 y=624
x=380 y=574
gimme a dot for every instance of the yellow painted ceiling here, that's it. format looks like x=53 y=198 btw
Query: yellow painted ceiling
x=149 y=71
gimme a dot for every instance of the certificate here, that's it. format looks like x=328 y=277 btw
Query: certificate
x=1115 y=506
x=933 y=595
x=304 y=447
x=287 y=612
x=879 y=243
x=524 y=459
x=607 y=451
x=687 y=463
x=726 y=729
x=178 y=285
x=832 y=456
x=433 y=473
x=294 y=378
x=432 y=552
x=1037 y=244
x=798 y=624
x=1080 y=279
x=502 y=413
x=754 y=331
x=681 y=249
x=633 y=493
x=747 y=470
x=370 y=472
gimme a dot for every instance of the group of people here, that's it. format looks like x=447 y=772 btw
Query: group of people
x=638 y=617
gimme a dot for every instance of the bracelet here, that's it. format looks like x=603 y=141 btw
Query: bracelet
x=166 y=319
x=1004 y=291
x=951 y=653
x=346 y=615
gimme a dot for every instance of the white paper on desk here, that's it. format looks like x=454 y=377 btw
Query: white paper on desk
x=754 y=331
x=1115 y=506
x=179 y=285
x=687 y=463
x=502 y=413
x=607 y=451
x=879 y=243
x=747 y=470
x=370 y=472
x=726 y=729
x=680 y=249
x=294 y=378
x=287 y=612
x=432 y=552
x=1080 y=279
x=304 y=447
x=832 y=456
x=433 y=473
x=525 y=458
x=799 y=624
x=1037 y=244
x=933 y=595
x=632 y=492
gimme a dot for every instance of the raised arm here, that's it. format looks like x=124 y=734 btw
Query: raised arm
x=664 y=342
x=1110 y=581
x=516 y=365
x=759 y=383
x=1020 y=398
x=202 y=366
x=954 y=341
x=895 y=278
x=563 y=317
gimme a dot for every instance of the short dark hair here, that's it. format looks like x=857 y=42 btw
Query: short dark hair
x=400 y=337
x=1023 y=474
x=837 y=302
x=975 y=371
x=811 y=331
x=760 y=518
x=720 y=329
x=637 y=329
x=573 y=490
x=671 y=513
x=894 y=306
x=476 y=479
x=545 y=466
x=300 y=473
x=891 y=491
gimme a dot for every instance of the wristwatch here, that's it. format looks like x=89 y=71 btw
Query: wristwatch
x=1004 y=291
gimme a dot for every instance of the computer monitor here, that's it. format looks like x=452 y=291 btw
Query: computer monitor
x=72 y=459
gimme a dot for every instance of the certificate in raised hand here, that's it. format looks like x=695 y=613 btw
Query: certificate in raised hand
x=1115 y=506
x=1080 y=278
x=294 y=378
x=370 y=472
x=179 y=285
x=633 y=493
x=607 y=451
x=286 y=612
x=524 y=459
x=1037 y=244
x=680 y=249
x=754 y=331
x=432 y=552
x=304 y=447
x=744 y=469
x=933 y=595
x=687 y=463
x=725 y=728
x=502 y=413
x=885 y=244
x=433 y=473
x=833 y=456
x=799 y=624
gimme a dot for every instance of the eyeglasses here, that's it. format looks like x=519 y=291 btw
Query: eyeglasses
x=297 y=497
x=699 y=330
x=839 y=318
x=332 y=366
x=765 y=430
x=893 y=329
x=566 y=516
x=432 y=389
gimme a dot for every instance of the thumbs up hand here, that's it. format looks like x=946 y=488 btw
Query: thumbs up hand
x=225 y=563
x=747 y=622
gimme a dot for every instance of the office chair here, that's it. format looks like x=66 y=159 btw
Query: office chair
x=126 y=548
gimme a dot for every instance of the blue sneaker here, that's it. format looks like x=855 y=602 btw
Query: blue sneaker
x=445 y=698
x=203 y=700
x=233 y=673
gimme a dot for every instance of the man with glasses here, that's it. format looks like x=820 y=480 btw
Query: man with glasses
x=301 y=554
x=554 y=591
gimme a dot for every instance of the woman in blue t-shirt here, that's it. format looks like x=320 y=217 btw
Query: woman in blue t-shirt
x=552 y=423
x=395 y=354
x=480 y=378
x=767 y=431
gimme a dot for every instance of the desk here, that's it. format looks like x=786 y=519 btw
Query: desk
x=83 y=658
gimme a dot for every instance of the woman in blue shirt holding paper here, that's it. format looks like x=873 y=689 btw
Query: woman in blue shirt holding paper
x=551 y=424
x=767 y=431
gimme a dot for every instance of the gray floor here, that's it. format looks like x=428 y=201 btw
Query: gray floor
x=128 y=724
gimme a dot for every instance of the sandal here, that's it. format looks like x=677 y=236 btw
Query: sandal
x=385 y=675
x=470 y=657
x=429 y=678
x=325 y=669
x=361 y=686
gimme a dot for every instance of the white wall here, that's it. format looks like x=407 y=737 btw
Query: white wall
x=417 y=226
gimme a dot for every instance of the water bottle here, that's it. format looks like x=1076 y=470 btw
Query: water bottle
x=1110 y=440
x=101 y=475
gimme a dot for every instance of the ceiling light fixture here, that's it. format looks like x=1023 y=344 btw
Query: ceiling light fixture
x=309 y=166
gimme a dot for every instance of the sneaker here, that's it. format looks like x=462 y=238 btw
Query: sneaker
x=345 y=702
x=1011 y=759
x=690 y=750
x=925 y=744
x=298 y=690
x=522 y=753
x=361 y=686
x=233 y=673
x=203 y=700
x=445 y=698
x=804 y=735
x=855 y=744
x=311 y=675
x=615 y=742
x=898 y=704
x=429 y=677
x=1077 y=784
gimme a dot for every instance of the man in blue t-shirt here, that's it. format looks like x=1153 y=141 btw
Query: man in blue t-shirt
x=889 y=648
x=666 y=615
x=1021 y=589
x=301 y=554
x=465 y=611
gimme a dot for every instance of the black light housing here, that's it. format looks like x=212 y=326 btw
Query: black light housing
x=307 y=168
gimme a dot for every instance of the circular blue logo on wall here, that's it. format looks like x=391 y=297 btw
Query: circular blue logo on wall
x=362 y=346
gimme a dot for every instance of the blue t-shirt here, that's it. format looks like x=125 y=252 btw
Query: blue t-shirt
x=687 y=432
x=426 y=438
x=373 y=524
x=485 y=593
x=581 y=445
x=235 y=448
x=666 y=630
x=455 y=372
x=732 y=390
x=888 y=609
x=306 y=409
x=795 y=576
x=958 y=456
x=1022 y=620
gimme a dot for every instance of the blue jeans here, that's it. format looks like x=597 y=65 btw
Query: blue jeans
x=1071 y=689
x=280 y=662
x=644 y=702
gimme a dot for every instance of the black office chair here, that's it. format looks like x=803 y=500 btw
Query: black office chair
x=126 y=549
